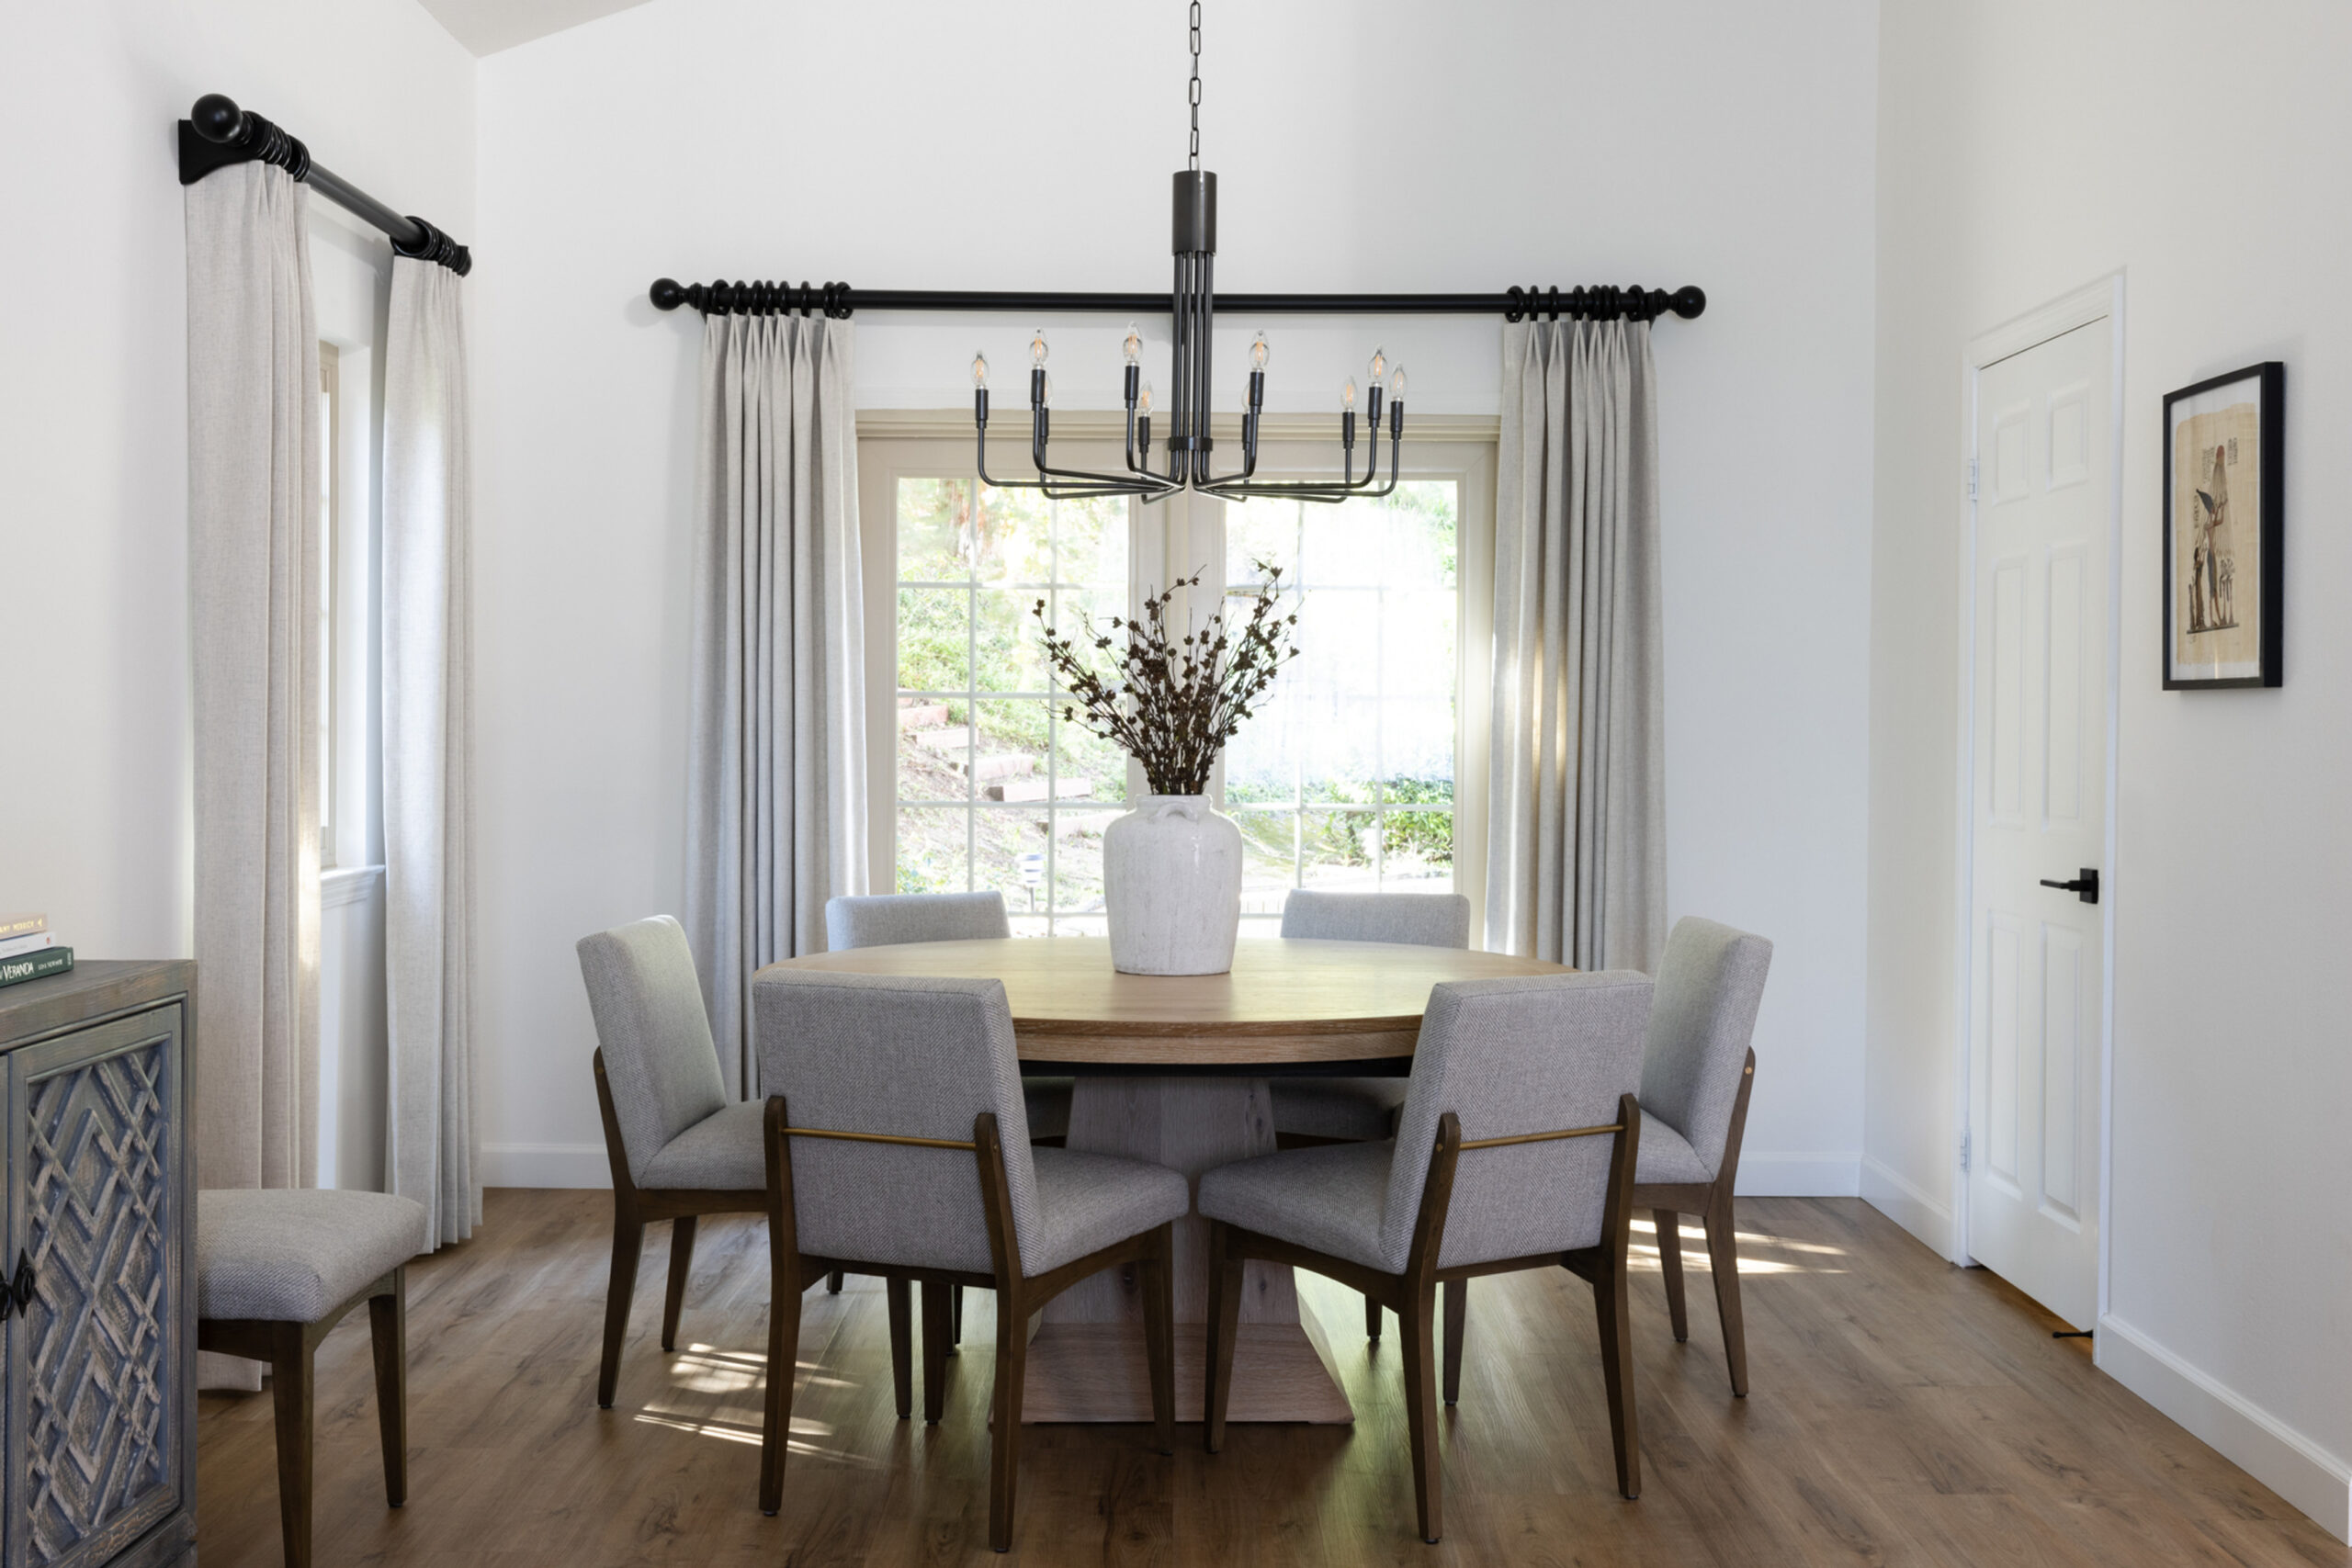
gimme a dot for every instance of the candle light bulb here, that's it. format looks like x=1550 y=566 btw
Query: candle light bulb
x=980 y=371
x=1396 y=386
x=1143 y=400
x=1133 y=347
x=1260 y=352
x=1379 y=367
x=1037 y=349
x=1348 y=394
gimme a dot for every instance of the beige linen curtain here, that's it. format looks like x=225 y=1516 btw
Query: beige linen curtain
x=1577 y=857
x=430 y=1142
x=776 y=815
x=252 y=461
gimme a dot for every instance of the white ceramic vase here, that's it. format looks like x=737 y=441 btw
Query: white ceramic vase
x=1172 y=883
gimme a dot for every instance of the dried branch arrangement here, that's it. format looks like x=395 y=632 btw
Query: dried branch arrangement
x=1172 y=703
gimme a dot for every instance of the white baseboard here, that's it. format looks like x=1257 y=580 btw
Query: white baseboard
x=1798 y=1174
x=545 y=1165
x=2240 y=1430
x=1891 y=1194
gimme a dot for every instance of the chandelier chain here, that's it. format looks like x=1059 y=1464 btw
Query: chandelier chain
x=1194 y=92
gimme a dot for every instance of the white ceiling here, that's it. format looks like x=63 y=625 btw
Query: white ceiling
x=486 y=27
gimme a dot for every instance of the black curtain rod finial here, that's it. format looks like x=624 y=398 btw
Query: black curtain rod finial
x=217 y=117
x=667 y=294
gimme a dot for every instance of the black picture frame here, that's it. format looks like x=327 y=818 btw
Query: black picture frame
x=2208 y=592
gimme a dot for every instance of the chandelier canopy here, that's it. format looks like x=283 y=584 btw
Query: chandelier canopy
x=1188 y=464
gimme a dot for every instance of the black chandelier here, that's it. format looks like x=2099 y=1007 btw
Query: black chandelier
x=1188 y=444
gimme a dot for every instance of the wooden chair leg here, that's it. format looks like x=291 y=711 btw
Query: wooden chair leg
x=289 y=1381
x=681 y=1264
x=1416 y=1323
x=785 y=1285
x=1722 y=1257
x=1457 y=1321
x=935 y=1315
x=1610 y=1308
x=1004 y=1436
x=628 y=1240
x=387 y=1328
x=902 y=1371
x=1371 y=1320
x=1157 y=1279
x=1224 y=1329
x=833 y=1283
x=1670 y=1263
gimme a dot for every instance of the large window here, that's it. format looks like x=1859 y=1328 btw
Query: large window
x=1360 y=770
x=995 y=789
x=1344 y=778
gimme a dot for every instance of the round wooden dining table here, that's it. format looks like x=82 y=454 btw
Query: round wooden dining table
x=1176 y=1069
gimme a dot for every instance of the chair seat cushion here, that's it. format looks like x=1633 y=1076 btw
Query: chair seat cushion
x=1329 y=1197
x=284 y=1256
x=1086 y=1202
x=1666 y=1155
x=1338 y=1108
x=725 y=1152
x=1047 y=1102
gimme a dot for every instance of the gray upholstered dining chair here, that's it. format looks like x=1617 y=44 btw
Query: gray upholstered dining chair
x=884 y=920
x=1697 y=1069
x=1516 y=1149
x=677 y=1148
x=1310 y=1110
x=897 y=1140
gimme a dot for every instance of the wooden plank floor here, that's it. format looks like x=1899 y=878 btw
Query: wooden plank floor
x=1903 y=1412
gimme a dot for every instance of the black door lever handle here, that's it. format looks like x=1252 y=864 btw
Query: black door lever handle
x=2087 y=885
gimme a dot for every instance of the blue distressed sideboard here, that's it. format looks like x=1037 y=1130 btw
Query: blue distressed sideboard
x=97 y=1216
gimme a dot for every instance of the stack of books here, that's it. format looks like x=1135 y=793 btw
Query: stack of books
x=30 y=950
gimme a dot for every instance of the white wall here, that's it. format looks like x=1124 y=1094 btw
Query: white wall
x=1394 y=146
x=95 y=766
x=2024 y=151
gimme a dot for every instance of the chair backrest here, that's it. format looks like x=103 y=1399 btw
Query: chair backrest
x=1709 y=985
x=918 y=1057
x=658 y=1056
x=1539 y=1055
x=885 y=918
x=1422 y=919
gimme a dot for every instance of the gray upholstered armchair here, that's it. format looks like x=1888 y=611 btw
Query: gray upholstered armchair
x=1515 y=1149
x=898 y=1143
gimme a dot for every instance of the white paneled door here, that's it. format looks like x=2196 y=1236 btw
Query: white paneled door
x=2037 y=951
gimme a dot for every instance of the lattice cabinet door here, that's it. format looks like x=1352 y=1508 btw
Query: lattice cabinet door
x=99 y=1434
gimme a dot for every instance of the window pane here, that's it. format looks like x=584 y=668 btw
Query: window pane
x=934 y=639
x=934 y=530
x=1015 y=538
x=1011 y=764
x=1090 y=547
x=1086 y=766
x=1417 y=851
x=1269 y=859
x=934 y=748
x=1078 y=864
x=1009 y=855
x=932 y=849
x=1260 y=530
x=1340 y=850
x=1007 y=652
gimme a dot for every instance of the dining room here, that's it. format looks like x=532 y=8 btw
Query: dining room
x=897 y=873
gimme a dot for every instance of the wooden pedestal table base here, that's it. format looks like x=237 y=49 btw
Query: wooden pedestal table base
x=1287 y=1001
x=1086 y=1357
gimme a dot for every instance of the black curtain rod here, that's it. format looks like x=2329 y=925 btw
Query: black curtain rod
x=217 y=134
x=839 y=299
